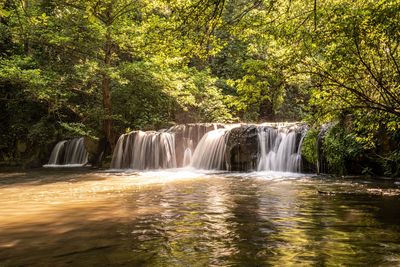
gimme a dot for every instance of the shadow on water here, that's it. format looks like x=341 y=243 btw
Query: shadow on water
x=215 y=221
x=46 y=176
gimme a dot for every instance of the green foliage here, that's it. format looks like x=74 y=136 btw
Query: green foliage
x=309 y=146
x=41 y=132
x=72 y=130
x=166 y=62
x=391 y=164
x=355 y=60
x=139 y=98
x=340 y=148
x=157 y=94
x=213 y=107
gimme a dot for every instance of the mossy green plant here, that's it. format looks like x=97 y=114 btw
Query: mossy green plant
x=309 y=146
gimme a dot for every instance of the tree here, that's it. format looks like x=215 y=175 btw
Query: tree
x=357 y=60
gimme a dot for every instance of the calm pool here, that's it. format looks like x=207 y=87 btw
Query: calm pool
x=70 y=217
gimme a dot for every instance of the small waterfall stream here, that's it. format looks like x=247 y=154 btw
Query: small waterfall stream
x=187 y=137
x=209 y=154
x=187 y=157
x=279 y=149
x=68 y=152
x=55 y=157
x=145 y=150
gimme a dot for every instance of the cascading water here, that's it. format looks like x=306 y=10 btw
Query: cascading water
x=243 y=147
x=158 y=150
x=55 y=157
x=279 y=149
x=187 y=137
x=187 y=157
x=145 y=150
x=210 y=152
x=69 y=152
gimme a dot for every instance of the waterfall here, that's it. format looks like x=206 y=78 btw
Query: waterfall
x=210 y=152
x=279 y=149
x=69 y=152
x=240 y=147
x=187 y=137
x=145 y=150
x=187 y=157
x=55 y=157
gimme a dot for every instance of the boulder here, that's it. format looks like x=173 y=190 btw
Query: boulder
x=242 y=148
x=95 y=148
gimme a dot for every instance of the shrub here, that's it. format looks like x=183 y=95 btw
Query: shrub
x=309 y=146
x=340 y=147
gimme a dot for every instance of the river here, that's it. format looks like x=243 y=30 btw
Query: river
x=77 y=217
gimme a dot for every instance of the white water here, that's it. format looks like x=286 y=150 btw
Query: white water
x=159 y=150
x=278 y=150
x=55 y=154
x=145 y=150
x=68 y=153
x=203 y=146
x=187 y=157
x=187 y=136
x=210 y=152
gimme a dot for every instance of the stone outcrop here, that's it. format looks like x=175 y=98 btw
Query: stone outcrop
x=95 y=149
x=242 y=148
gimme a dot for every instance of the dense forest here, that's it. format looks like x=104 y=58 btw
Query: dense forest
x=101 y=68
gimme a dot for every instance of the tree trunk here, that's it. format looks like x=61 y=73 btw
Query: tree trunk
x=106 y=90
x=107 y=122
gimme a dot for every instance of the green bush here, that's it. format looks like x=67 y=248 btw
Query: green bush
x=42 y=132
x=340 y=147
x=391 y=164
x=309 y=146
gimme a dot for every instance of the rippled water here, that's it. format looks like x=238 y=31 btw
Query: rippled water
x=184 y=218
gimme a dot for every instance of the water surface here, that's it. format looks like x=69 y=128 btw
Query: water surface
x=56 y=217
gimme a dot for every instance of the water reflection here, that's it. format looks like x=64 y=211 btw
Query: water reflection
x=196 y=219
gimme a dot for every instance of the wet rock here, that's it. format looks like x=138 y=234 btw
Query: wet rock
x=242 y=148
x=95 y=148
x=322 y=165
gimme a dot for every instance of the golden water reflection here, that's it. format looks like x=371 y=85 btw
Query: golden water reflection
x=83 y=218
